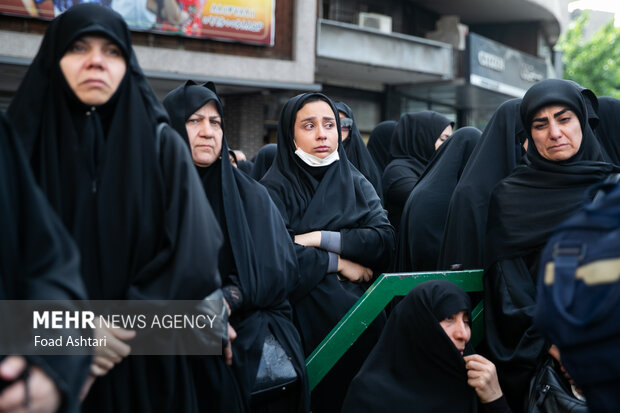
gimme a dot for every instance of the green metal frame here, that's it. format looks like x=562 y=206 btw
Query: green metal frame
x=372 y=302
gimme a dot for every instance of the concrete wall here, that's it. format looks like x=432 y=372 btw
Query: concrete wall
x=226 y=60
x=244 y=116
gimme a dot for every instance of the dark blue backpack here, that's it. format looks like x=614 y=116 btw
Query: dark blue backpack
x=578 y=302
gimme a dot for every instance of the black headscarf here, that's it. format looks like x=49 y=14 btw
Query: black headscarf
x=357 y=153
x=523 y=211
x=413 y=146
x=332 y=198
x=38 y=259
x=496 y=155
x=263 y=160
x=424 y=214
x=302 y=198
x=136 y=210
x=415 y=366
x=379 y=143
x=536 y=197
x=265 y=265
x=608 y=130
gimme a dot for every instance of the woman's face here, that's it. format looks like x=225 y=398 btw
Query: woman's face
x=447 y=132
x=316 y=132
x=457 y=328
x=204 y=131
x=94 y=67
x=556 y=132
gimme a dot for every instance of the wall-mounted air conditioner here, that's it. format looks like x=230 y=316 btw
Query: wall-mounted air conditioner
x=375 y=21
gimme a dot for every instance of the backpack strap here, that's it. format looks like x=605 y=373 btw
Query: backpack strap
x=567 y=256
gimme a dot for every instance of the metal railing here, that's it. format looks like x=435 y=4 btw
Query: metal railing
x=370 y=305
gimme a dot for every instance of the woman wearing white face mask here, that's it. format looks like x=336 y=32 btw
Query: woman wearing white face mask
x=341 y=232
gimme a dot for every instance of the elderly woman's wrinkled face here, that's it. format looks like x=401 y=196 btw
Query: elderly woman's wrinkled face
x=457 y=328
x=94 y=67
x=556 y=132
x=316 y=131
x=204 y=131
x=447 y=132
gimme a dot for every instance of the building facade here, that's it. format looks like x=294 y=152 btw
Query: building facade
x=382 y=57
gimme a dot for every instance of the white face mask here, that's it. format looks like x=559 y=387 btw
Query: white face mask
x=315 y=161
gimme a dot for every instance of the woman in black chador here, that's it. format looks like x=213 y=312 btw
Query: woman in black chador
x=563 y=159
x=608 y=129
x=341 y=233
x=416 y=138
x=423 y=361
x=379 y=143
x=356 y=150
x=500 y=150
x=263 y=160
x=132 y=202
x=257 y=262
x=38 y=261
x=424 y=214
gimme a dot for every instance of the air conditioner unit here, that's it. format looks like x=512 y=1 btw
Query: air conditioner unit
x=375 y=21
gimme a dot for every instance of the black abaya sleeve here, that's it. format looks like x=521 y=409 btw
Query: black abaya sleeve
x=313 y=263
x=179 y=270
x=514 y=345
x=38 y=259
x=372 y=244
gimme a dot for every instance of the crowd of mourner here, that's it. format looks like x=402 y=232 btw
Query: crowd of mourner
x=108 y=193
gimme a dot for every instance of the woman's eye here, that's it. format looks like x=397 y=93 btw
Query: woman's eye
x=114 y=51
x=77 y=47
x=538 y=127
x=308 y=126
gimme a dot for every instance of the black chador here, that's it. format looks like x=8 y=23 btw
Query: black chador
x=500 y=150
x=415 y=366
x=38 y=258
x=413 y=146
x=357 y=153
x=424 y=214
x=335 y=198
x=379 y=143
x=133 y=203
x=524 y=208
x=257 y=262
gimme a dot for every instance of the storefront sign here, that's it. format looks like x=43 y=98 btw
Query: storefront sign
x=245 y=21
x=497 y=67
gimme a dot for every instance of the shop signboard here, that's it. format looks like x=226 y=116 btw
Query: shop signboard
x=244 y=21
x=494 y=66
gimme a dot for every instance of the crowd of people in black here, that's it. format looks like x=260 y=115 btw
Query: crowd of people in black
x=109 y=194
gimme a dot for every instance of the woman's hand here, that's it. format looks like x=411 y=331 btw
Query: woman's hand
x=232 y=335
x=353 y=271
x=42 y=395
x=228 y=353
x=113 y=352
x=482 y=376
x=309 y=239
